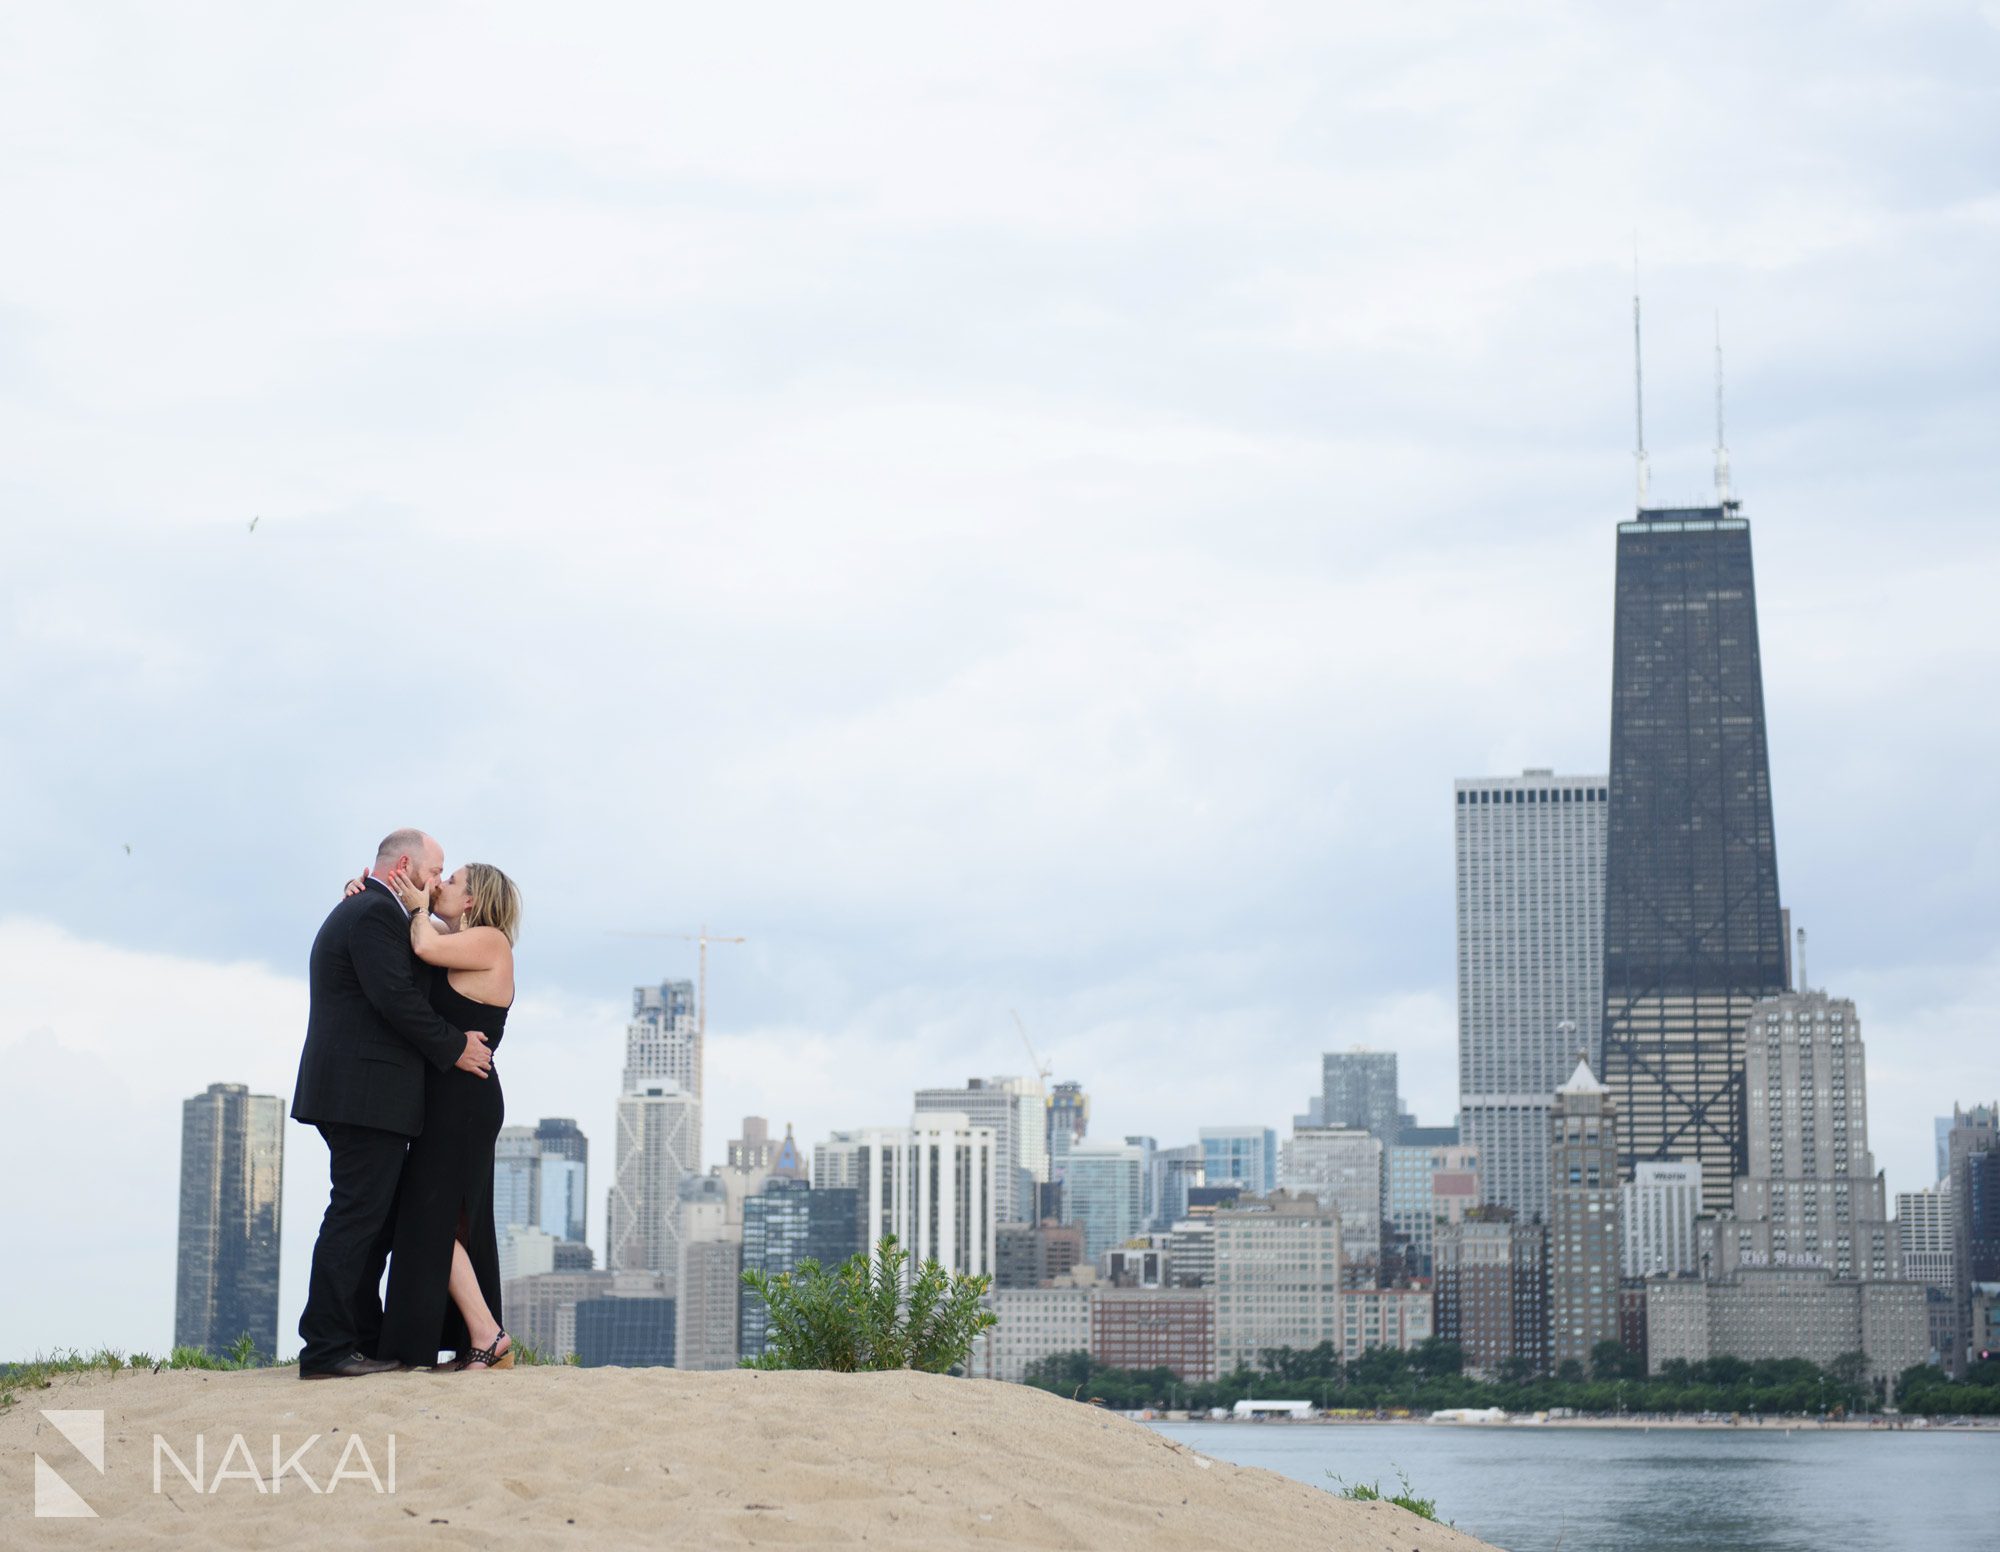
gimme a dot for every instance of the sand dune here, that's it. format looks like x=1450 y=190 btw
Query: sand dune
x=613 y=1458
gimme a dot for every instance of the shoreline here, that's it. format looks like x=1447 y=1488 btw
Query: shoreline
x=1745 y=1424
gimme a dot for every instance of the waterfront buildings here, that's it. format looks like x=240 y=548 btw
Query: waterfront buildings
x=1491 y=1290
x=1104 y=1193
x=1530 y=918
x=1657 y=1212
x=1358 y=1090
x=1155 y=1328
x=1385 y=1317
x=1242 y=1156
x=231 y=1214
x=1343 y=1168
x=1033 y=1255
x=1425 y=1183
x=1787 y=1312
x=1033 y=1324
x=1810 y=1194
x=1584 y=1249
x=1277 y=1277
x=1694 y=935
x=659 y=1133
x=1924 y=1246
x=1016 y=1110
x=1972 y=1172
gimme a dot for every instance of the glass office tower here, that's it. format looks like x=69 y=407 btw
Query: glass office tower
x=232 y=1196
x=1693 y=933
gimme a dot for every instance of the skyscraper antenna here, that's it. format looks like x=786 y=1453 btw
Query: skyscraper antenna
x=1638 y=379
x=1723 y=495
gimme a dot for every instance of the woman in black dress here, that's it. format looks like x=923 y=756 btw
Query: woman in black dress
x=444 y=1265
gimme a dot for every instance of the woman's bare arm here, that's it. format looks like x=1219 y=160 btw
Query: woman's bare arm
x=476 y=948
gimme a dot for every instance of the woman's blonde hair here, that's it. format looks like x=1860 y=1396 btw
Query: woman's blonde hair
x=492 y=900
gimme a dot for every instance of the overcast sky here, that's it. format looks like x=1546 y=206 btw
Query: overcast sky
x=1025 y=507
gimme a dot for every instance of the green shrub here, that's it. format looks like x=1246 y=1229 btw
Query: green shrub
x=860 y=1317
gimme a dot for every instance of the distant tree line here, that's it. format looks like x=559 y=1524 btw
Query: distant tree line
x=1926 y=1390
x=1431 y=1377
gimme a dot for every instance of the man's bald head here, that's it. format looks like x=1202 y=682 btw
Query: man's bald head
x=416 y=853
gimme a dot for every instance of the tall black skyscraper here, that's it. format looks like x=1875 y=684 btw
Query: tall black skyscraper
x=1693 y=933
x=232 y=1192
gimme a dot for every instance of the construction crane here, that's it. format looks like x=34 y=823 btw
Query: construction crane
x=1042 y=1068
x=704 y=938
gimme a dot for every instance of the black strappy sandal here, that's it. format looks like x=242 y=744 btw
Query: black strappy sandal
x=487 y=1358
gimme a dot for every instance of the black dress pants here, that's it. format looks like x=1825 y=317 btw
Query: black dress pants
x=343 y=1314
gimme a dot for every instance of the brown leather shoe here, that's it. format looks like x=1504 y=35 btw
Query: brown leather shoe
x=352 y=1368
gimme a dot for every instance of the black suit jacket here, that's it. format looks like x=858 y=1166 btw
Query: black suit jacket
x=371 y=1028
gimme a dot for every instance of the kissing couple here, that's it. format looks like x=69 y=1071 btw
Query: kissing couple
x=411 y=978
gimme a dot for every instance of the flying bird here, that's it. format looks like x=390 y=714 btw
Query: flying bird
x=255 y=521
x=128 y=848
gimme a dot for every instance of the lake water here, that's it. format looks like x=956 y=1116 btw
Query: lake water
x=1531 y=1489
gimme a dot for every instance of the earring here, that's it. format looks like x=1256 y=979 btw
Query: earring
x=464 y=919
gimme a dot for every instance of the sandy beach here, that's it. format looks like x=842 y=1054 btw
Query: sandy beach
x=615 y=1458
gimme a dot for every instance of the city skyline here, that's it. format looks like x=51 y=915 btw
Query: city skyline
x=885 y=576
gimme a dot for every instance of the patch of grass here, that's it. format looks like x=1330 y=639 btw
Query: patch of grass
x=1371 y=1492
x=525 y=1354
x=40 y=1373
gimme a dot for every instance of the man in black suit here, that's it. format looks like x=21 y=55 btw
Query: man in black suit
x=361 y=1082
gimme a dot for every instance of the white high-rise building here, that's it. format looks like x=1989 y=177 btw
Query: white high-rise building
x=526 y=1251
x=931 y=1184
x=662 y=1043
x=1342 y=1167
x=1530 y=867
x=1105 y=1191
x=658 y=1146
x=1657 y=1210
x=1017 y=1111
x=950 y=1190
x=1924 y=1236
